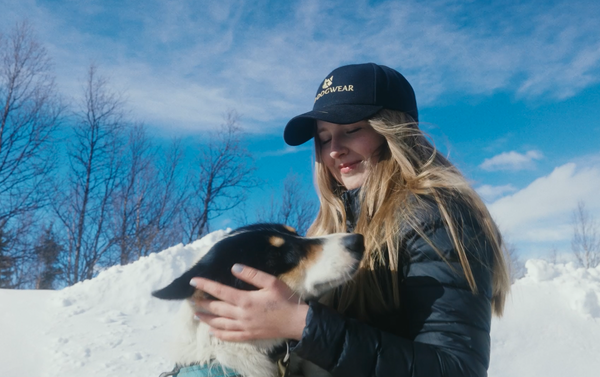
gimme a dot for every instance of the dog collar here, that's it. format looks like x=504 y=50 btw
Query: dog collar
x=206 y=370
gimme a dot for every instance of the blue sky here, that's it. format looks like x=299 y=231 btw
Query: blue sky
x=510 y=90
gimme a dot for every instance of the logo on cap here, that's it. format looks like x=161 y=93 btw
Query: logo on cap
x=328 y=88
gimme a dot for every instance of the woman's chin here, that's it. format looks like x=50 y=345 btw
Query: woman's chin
x=351 y=183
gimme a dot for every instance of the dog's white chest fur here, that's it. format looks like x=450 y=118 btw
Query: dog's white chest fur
x=194 y=345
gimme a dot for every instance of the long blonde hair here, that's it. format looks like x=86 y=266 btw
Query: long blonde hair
x=409 y=174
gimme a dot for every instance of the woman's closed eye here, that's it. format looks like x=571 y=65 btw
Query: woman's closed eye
x=324 y=139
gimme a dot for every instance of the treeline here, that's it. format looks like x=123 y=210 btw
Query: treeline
x=84 y=187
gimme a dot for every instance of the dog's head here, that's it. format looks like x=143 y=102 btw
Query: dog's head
x=309 y=266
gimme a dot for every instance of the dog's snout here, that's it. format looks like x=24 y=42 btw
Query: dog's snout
x=355 y=243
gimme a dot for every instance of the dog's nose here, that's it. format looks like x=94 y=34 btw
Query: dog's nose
x=355 y=243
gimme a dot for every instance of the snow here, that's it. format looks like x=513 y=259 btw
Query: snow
x=551 y=326
x=110 y=325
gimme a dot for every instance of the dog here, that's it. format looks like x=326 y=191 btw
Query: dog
x=309 y=266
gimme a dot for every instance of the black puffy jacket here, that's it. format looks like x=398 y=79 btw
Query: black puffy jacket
x=441 y=329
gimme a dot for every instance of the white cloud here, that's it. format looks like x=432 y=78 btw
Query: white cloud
x=543 y=210
x=489 y=193
x=512 y=161
x=286 y=150
x=266 y=59
x=554 y=233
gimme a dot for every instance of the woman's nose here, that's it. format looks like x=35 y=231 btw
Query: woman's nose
x=337 y=149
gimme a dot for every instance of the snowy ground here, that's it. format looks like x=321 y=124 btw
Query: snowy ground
x=111 y=326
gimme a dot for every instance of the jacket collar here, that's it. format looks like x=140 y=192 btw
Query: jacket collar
x=351 y=200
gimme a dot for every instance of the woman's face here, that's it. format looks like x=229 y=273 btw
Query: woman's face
x=348 y=150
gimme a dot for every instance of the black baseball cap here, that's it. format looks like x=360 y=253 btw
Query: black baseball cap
x=353 y=93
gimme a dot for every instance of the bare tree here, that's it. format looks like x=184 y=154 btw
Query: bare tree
x=147 y=198
x=47 y=251
x=17 y=253
x=553 y=257
x=30 y=112
x=94 y=169
x=585 y=243
x=29 y=115
x=131 y=194
x=7 y=262
x=293 y=209
x=517 y=267
x=222 y=176
x=163 y=226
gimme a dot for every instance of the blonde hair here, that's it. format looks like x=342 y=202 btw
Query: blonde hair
x=409 y=175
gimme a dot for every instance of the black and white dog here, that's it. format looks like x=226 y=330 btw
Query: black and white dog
x=309 y=266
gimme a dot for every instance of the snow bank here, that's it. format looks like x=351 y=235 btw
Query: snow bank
x=111 y=326
x=578 y=287
x=550 y=326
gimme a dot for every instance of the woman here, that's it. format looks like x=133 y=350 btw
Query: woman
x=434 y=268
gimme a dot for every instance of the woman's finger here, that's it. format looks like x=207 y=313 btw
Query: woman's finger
x=253 y=276
x=219 y=323
x=217 y=308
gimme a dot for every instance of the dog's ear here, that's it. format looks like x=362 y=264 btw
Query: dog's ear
x=180 y=288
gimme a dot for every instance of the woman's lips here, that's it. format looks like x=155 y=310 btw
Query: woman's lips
x=348 y=167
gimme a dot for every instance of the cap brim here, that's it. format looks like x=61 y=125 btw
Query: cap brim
x=300 y=129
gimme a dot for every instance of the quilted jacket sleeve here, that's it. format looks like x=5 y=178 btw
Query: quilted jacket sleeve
x=447 y=325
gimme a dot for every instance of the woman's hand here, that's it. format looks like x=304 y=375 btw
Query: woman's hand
x=274 y=311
